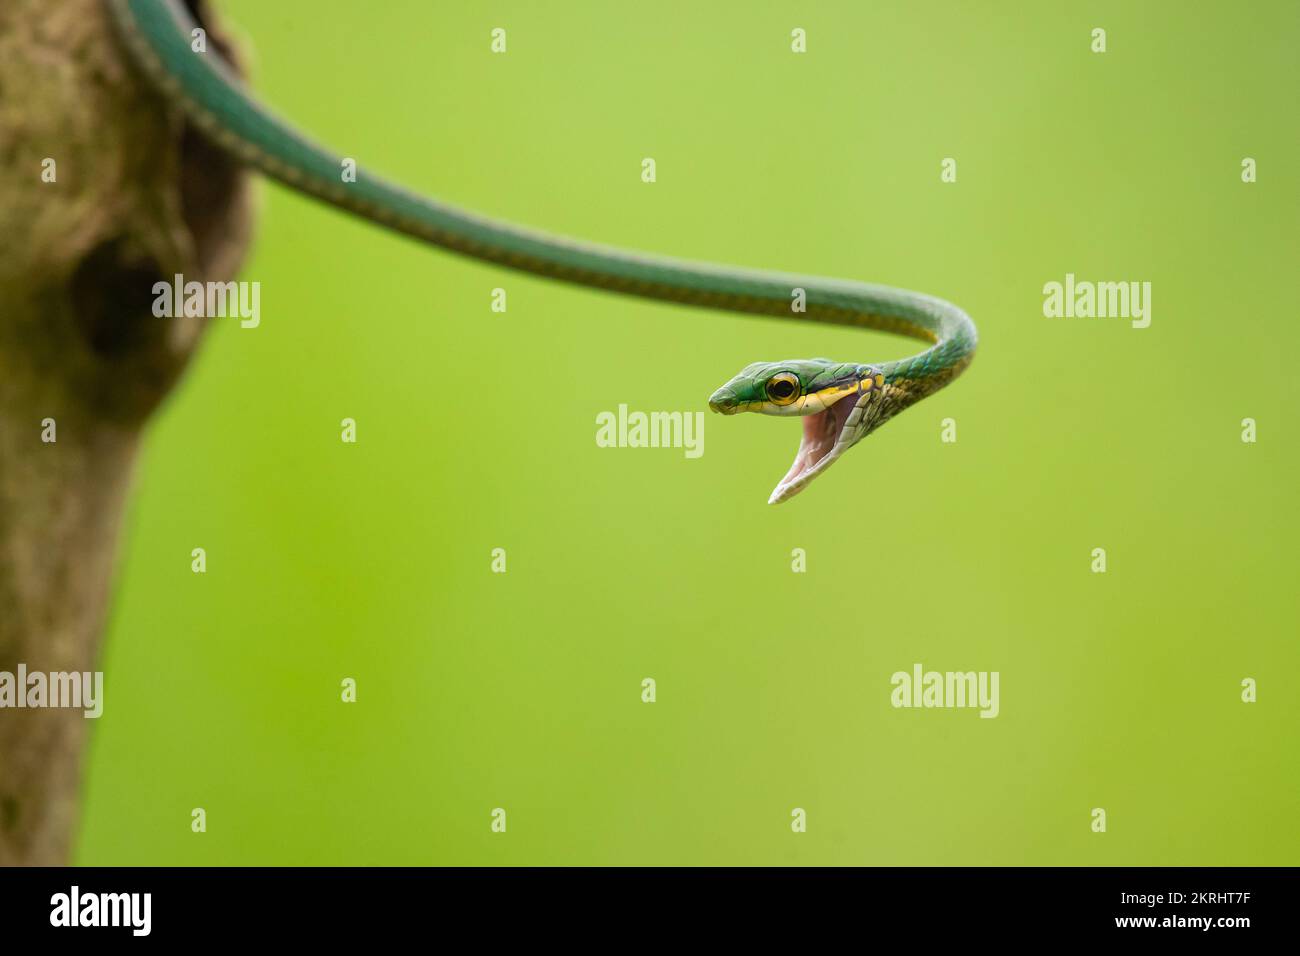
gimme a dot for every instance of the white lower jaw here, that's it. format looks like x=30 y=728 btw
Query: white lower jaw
x=818 y=449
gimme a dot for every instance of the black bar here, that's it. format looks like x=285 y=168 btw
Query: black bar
x=235 y=905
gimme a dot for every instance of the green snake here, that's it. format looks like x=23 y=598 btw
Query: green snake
x=841 y=403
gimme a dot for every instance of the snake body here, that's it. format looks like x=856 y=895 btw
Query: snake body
x=158 y=35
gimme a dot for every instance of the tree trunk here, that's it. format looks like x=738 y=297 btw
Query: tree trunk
x=136 y=197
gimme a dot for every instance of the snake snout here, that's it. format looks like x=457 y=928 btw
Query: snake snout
x=724 y=401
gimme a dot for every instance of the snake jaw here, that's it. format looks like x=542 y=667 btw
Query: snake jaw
x=826 y=435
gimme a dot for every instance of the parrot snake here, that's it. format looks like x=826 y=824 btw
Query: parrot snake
x=840 y=403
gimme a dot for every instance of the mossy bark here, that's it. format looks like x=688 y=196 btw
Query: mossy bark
x=136 y=197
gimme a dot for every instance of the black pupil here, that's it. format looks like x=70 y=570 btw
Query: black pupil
x=783 y=388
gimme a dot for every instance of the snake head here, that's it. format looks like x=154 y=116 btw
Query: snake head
x=825 y=394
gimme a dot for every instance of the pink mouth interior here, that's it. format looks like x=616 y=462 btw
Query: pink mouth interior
x=820 y=432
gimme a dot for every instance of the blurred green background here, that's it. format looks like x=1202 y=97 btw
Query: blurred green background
x=476 y=431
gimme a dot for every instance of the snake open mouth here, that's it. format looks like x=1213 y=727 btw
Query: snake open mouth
x=817 y=448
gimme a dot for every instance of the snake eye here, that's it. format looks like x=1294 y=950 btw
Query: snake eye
x=783 y=388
